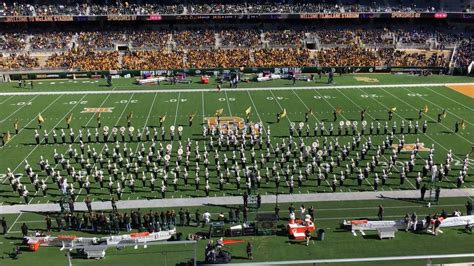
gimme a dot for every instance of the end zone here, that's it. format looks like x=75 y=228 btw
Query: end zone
x=466 y=89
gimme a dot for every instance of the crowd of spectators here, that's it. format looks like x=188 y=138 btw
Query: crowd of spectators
x=194 y=48
x=359 y=56
x=335 y=37
x=149 y=39
x=135 y=9
x=285 y=38
x=194 y=38
x=20 y=61
x=371 y=37
x=419 y=59
x=98 y=39
x=156 y=59
x=219 y=58
x=352 y=55
x=84 y=60
x=13 y=41
x=237 y=38
x=465 y=53
x=50 y=40
x=223 y=7
x=282 y=57
x=413 y=36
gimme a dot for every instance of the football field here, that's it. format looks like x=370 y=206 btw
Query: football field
x=265 y=102
x=144 y=106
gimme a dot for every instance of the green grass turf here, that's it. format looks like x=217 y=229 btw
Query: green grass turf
x=329 y=215
x=147 y=109
x=126 y=84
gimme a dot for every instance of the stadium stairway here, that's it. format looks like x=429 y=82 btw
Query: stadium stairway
x=218 y=42
x=28 y=44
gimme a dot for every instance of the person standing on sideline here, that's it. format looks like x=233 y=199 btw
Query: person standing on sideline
x=307 y=234
x=469 y=208
x=437 y=192
x=24 y=229
x=4 y=225
x=245 y=197
x=380 y=213
x=331 y=77
x=88 y=202
x=423 y=192
x=249 y=251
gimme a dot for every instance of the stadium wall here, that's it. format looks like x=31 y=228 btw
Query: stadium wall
x=55 y=74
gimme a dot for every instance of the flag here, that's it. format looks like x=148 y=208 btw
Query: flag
x=393 y=109
x=425 y=109
x=444 y=113
x=162 y=119
x=191 y=116
x=40 y=119
x=462 y=124
x=248 y=110
x=338 y=110
x=283 y=114
x=8 y=137
x=69 y=119
x=219 y=112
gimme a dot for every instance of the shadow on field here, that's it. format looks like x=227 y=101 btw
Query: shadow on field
x=296 y=242
x=221 y=206
x=412 y=200
x=372 y=237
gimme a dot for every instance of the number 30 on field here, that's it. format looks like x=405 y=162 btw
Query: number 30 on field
x=22 y=103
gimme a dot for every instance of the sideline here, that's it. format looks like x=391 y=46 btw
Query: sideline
x=233 y=200
x=233 y=89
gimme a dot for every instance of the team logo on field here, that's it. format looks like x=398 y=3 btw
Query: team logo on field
x=366 y=79
x=410 y=147
x=229 y=123
x=98 y=110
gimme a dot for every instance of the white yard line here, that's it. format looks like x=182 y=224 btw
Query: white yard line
x=413 y=107
x=14 y=222
x=18 y=109
x=434 y=141
x=177 y=108
x=452 y=113
x=31 y=152
x=307 y=108
x=150 y=111
x=34 y=119
x=118 y=120
x=449 y=98
x=6 y=100
x=233 y=89
x=147 y=118
x=203 y=115
x=228 y=104
x=373 y=118
x=278 y=102
x=332 y=106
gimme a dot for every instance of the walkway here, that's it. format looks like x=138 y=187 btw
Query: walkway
x=284 y=198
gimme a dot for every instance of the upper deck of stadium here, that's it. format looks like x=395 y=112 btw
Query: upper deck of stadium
x=100 y=8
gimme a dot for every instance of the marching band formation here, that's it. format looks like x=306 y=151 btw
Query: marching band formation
x=229 y=156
